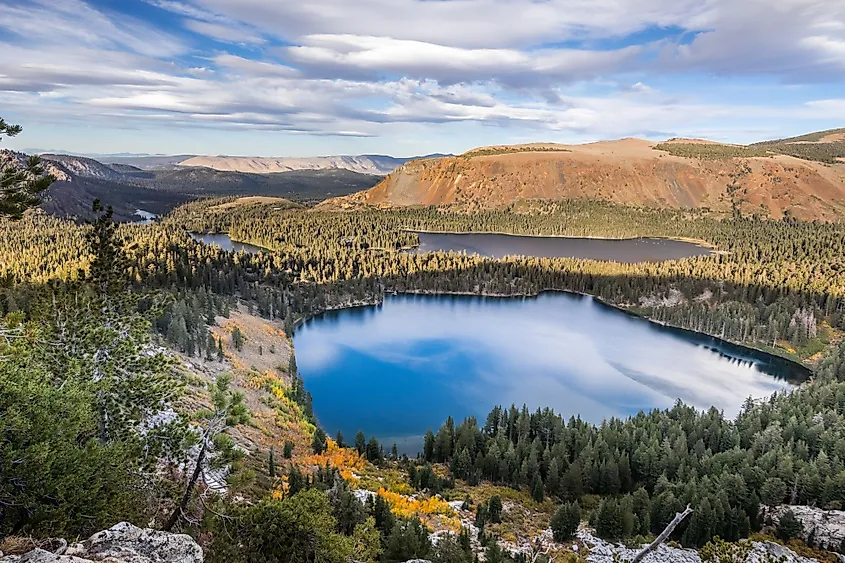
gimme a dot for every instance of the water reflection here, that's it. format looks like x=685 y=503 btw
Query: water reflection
x=499 y=246
x=224 y=242
x=400 y=369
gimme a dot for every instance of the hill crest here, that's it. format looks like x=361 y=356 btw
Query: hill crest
x=776 y=179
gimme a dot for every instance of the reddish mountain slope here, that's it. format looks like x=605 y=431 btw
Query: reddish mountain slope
x=681 y=173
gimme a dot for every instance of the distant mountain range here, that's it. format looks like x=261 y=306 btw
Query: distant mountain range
x=160 y=185
x=379 y=165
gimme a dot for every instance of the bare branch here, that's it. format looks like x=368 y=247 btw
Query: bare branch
x=664 y=535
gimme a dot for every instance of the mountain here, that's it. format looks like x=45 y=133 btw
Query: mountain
x=127 y=188
x=363 y=164
x=802 y=176
x=299 y=185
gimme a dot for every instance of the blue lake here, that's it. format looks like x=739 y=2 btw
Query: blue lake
x=398 y=369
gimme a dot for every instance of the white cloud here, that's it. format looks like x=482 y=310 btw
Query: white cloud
x=222 y=32
x=557 y=69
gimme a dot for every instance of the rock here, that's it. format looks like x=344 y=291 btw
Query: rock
x=826 y=526
x=122 y=543
x=601 y=551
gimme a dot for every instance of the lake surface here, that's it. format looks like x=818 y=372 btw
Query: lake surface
x=398 y=369
x=145 y=217
x=625 y=250
x=223 y=241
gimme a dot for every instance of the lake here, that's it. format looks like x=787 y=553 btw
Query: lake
x=226 y=243
x=621 y=250
x=398 y=369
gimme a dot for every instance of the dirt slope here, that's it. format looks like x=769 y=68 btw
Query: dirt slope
x=629 y=171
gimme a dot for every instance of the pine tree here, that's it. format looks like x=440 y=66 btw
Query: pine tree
x=237 y=339
x=360 y=443
x=319 y=443
x=565 y=521
x=494 y=506
x=271 y=464
x=287 y=452
x=21 y=184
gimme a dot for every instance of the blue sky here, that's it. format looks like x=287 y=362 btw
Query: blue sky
x=408 y=77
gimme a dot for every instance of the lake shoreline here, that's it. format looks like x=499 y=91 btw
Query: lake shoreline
x=379 y=300
x=698 y=242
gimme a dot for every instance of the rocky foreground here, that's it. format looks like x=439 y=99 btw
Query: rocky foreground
x=600 y=551
x=125 y=543
x=122 y=543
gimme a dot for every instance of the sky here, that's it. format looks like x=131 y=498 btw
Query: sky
x=413 y=77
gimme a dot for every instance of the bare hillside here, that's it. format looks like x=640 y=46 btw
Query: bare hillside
x=681 y=173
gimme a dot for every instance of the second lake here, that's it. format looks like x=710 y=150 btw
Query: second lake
x=618 y=250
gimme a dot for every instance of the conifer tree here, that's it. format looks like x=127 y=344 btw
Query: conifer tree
x=21 y=183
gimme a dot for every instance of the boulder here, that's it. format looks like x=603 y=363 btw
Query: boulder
x=826 y=526
x=122 y=543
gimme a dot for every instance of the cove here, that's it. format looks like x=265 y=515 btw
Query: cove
x=226 y=243
x=618 y=250
x=399 y=368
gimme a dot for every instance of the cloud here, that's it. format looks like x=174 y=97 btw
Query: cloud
x=222 y=33
x=403 y=69
x=77 y=23
x=329 y=55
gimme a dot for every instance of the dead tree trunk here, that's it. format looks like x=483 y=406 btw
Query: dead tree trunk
x=183 y=504
x=664 y=535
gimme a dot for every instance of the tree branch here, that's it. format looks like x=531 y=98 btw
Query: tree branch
x=663 y=535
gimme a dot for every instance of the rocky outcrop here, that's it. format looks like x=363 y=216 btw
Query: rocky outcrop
x=122 y=543
x=824 y=528
x=601 y=551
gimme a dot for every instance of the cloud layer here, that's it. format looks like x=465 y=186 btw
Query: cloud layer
x=389 y=69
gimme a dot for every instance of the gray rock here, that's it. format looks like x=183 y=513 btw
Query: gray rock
x=122 y=543
x=827 y=526
x=601 y=551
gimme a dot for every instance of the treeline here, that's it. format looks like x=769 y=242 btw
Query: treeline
x=772 y=281
x=788 y=449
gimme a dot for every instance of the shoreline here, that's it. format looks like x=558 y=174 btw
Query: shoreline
x=376 y=301
x=697 y=242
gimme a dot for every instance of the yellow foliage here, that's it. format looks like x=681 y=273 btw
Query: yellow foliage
x=408 y=507
x=344 y=459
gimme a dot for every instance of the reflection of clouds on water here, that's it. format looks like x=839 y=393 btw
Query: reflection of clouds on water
x=560 y=351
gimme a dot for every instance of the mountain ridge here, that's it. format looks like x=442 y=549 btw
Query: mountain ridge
x=803 y=178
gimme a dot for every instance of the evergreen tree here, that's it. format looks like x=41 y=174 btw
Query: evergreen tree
x=319 y=443
x=237 y=339
x=21 y=183
x=789 y=526
x=271 y=464
x=565 y=521
x=360 y=443
x=407 y=540
x=287 y=452
x=494 y=507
